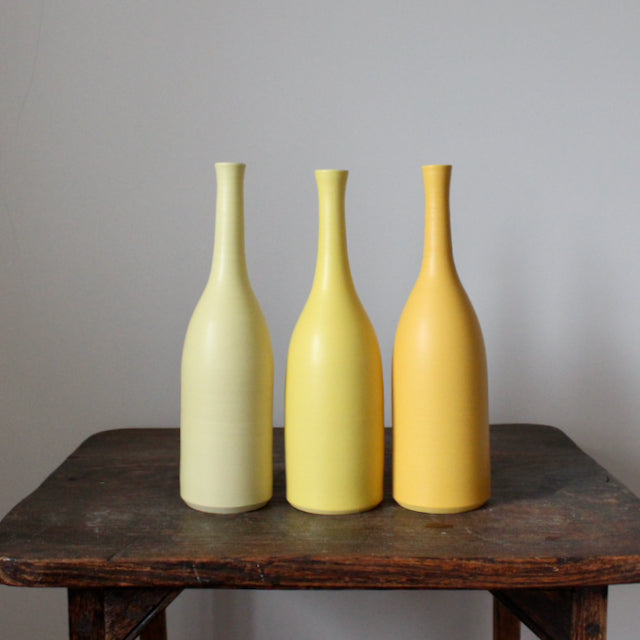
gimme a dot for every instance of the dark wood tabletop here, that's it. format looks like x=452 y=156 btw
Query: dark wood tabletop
x=111 y=516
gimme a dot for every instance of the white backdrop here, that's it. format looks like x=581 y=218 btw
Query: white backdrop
x=111 y=117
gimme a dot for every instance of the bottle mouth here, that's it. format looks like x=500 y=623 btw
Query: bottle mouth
x=230 y=164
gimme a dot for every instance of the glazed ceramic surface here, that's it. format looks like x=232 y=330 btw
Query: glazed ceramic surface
x=226 y=424
x=440 y=395
x=334 y=418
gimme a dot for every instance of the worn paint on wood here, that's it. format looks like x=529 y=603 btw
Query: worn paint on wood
x=111 y=516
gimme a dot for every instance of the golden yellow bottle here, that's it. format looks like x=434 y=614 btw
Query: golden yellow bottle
x=334 y=406
x=441 y=461
x=226 y=421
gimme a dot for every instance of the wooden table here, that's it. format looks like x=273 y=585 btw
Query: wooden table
x=109 y=526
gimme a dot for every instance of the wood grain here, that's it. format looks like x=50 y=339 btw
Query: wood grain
x=118 y=614
x=560 y=614
x=111 y=516
x=506 y=625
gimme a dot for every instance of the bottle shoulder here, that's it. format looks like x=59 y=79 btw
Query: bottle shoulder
x=228 y=312
x=234 y=295
x=444 y=289
x=332 y=327
x=438 y=303
x=334 y=309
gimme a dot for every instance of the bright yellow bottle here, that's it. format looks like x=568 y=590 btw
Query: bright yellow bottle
x=441 y=461
x=226 y=422
x=334 y=406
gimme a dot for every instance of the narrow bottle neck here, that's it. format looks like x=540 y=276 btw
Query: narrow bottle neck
x=438 y=250
x=229 y=260
x=332 y=267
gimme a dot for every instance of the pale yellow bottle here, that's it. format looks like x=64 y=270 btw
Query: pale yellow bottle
x=334 y=407
x=226 y=423
x=441 y=461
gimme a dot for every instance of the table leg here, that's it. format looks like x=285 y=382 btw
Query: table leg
x=156 y=628
x=506 y=625
x=119 y=614
x=578 y=613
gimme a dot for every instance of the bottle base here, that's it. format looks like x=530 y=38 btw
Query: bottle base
x=441 y=510
x=332 y=512
x=225 y=510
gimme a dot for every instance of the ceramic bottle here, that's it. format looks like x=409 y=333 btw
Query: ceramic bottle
x=440 y=397
x=226 y=422
x=334 y=418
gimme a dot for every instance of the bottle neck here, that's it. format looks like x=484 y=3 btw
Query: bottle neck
x=229 y=259
x=438 y=250
x=332 y=267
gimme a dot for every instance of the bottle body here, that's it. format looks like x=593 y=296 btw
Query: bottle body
x=334 y=406
x=226 y=423
x=441 y=451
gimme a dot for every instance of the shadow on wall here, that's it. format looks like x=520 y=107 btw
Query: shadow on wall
x=602 y=371
x=318 y=615
x=563 y=349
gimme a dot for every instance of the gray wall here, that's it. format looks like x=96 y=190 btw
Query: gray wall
x=111 y=117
